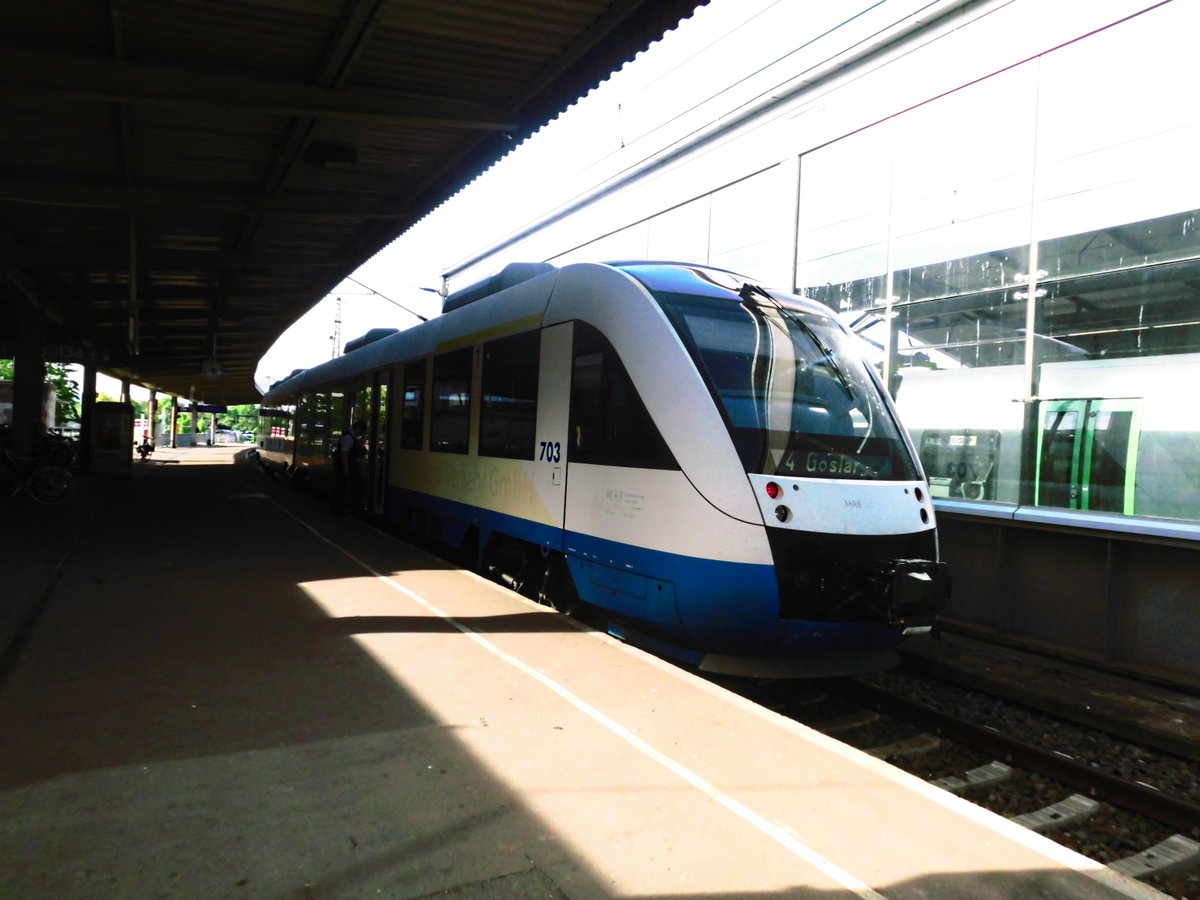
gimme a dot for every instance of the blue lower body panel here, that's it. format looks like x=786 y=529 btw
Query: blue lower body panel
x=721 y=607
x=712 y=602
x=681 y=606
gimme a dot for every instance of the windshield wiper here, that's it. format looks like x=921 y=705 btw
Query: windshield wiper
x=747 y=292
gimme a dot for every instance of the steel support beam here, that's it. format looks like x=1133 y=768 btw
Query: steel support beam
x=41 y=74
x=29 y=379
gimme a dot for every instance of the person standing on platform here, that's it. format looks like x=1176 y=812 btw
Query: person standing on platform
x=347 y=470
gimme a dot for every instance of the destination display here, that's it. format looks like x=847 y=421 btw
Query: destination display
x=835 y=465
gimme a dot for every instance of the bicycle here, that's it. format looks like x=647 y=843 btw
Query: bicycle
x=44 y=482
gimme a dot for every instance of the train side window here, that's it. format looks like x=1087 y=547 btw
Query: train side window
x=336 y=423
x=304 y=426
x=508 y=414
x=311 y=441
x=412 y=411
x=276 y=429
x=450 y=418
x=961 y=464
x=609 y=423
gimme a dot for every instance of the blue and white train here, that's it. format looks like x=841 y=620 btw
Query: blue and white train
x=710 y=464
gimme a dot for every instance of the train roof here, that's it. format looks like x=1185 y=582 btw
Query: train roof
x=511 y=275
x=682 y=277
x=465 y=314
x=439 y=334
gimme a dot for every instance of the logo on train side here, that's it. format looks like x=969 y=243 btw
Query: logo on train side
x=495 y=483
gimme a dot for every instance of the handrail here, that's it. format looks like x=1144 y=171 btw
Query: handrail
x=1175 y=529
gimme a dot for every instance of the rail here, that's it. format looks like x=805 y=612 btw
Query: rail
x=1101 y=785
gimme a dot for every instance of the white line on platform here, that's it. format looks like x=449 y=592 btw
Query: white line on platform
x=795 y=846
x=1062 y=855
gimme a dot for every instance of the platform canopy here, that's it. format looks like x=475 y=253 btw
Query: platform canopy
x=180 y=180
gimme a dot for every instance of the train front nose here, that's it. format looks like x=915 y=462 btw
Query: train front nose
x=854 y=552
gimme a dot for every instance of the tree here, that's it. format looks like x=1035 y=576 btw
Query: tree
x=66 y=389
x=243 y=417
x=66 y=401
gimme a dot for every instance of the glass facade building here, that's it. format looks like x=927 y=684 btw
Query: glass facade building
x=1012 y=227
x=1023 y=252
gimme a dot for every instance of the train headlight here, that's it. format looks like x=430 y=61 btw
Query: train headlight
x=773 y=490
x=782 y=513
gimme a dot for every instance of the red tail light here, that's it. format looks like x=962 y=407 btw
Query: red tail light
x=773 y=490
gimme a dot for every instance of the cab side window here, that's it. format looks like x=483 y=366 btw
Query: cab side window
x=609 y=422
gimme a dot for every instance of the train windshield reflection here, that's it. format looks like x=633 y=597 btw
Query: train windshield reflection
x=796 y=394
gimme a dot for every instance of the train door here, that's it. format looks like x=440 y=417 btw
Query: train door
x=378 y=425
x=1087 y=454
x=334 y=423
x=358 y=409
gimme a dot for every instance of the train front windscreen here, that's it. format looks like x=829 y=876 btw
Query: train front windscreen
x=795 y=392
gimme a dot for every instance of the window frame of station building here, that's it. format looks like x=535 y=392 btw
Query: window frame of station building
x=1026 y=278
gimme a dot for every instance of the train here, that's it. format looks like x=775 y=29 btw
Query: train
x=709 y=466
x=1106 y=436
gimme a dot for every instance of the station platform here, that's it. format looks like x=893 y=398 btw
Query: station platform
x=212 y=688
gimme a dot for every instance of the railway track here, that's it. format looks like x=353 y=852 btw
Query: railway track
x=1128 y=807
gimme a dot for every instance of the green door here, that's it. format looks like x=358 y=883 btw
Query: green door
x=1087 y=454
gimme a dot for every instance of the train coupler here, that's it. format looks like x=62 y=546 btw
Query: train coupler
x=917 y=590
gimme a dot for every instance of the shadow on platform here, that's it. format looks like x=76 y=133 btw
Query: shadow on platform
x=183 y=719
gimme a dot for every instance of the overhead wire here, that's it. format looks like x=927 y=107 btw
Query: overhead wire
x=390 y=300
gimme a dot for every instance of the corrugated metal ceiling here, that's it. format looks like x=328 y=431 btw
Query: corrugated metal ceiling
x=239 y=157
